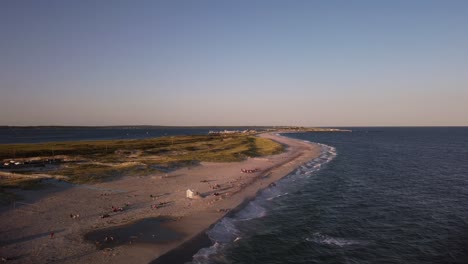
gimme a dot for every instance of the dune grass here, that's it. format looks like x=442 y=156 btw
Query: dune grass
x=25 y=183
x=106 y=159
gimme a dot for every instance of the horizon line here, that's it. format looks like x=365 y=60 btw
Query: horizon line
x=211 y=126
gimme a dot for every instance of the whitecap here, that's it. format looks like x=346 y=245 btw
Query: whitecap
x=332 y=241
x=251 y=211
x=203 y=255
x=224 y=231
x=277 y=196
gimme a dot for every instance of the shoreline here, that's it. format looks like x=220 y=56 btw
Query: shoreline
x=185 y=251
x=26 y=229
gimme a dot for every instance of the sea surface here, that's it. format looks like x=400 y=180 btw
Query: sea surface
x=375 y=195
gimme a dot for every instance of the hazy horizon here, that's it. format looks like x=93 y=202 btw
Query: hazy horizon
x=234 y=63
x=212 y=126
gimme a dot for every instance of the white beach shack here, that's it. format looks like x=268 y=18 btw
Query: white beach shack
x=190 y=194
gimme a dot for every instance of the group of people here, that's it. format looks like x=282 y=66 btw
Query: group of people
x=104 y=216
x=114 y=209
x=249 y=170
x=109 y=238
x=74 y=216
x=214 y=187
x=156 y=206
x=117 y=209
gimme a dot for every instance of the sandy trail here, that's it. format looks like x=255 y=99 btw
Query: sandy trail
x=25 y=231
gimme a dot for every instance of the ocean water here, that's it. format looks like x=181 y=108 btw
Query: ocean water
x=376 y=195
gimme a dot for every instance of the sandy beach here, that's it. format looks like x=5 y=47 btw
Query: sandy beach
x=64 y=223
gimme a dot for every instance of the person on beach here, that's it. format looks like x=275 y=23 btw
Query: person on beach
x=73 y=216
x=117 y=209
x=105 y=216
x=51 y=234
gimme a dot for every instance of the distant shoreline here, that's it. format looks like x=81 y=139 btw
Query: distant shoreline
x=270 y=128
x=48 y=134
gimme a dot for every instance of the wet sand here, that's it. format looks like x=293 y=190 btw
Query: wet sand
x=25 y=231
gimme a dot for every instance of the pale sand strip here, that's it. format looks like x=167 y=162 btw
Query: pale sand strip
x=25 y=231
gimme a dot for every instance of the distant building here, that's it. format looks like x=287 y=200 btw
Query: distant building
x=225 y=132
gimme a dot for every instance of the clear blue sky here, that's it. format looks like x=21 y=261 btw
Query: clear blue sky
x=309 y=63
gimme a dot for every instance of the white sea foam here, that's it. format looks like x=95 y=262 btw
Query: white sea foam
x=271 y=192
x=332 y=241
x=251 y=211
x=279 y=195
x=224 y=231
x=327 y=154
x=203 y=255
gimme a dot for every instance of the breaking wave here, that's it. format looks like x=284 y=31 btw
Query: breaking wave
x=332 y=241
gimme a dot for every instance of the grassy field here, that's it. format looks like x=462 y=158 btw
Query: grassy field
x=97 y=161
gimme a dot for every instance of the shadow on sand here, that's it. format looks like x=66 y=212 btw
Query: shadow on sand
x=145 y=231
x=27 y=238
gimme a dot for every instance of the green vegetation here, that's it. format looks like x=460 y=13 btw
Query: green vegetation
x=88 y=173
x=94 y=161
x=108 y=148
x=25 y=183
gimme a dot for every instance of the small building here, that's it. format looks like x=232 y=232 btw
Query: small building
x=190 y=194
